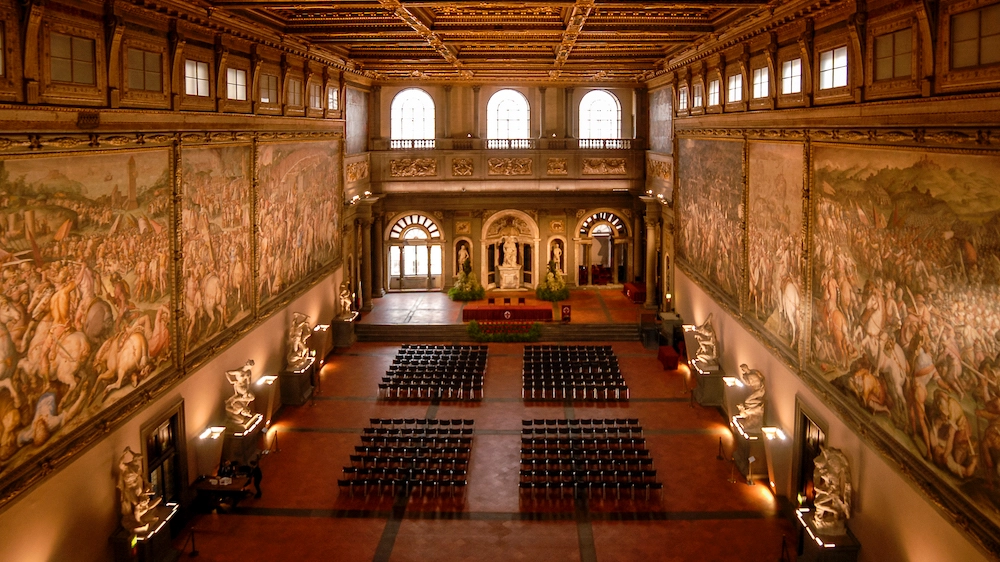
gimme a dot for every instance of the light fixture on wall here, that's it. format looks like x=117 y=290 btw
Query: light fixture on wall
x=267 y=380
x=773 y=433
x=213 y=432
x=732 y=381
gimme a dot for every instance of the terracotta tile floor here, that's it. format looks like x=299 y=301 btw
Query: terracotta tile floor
x=302 y=515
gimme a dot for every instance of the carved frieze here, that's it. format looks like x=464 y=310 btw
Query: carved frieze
x=508 y=225
x=413 y=167
x=603 y=166
x=461 y=167
x=557 y=226
x=509 y=166
x=357 y=171
x=557 y=167
x=463 y=227
x=661 y=169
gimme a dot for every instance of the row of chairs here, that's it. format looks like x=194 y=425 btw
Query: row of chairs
x=582 y=432
x=583 y=444
x=414 y=452
x=575 y=391
x=418 y=431
x=408 y=347
x=412 y=474
x=536 y=348
x=418 y=423
x=581 y=422
x=376 y=461
x=545 y=475
x=415 y=441
x=645 y=463
x=392 y=486
x=575 y=489
x=401 y=390
x=556 y=453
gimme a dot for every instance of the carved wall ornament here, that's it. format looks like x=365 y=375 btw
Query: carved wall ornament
x=557 y=167
x=413 y=167
x=461 y=167
x=463 y=227
x=661 y=169
x=603 y=166
x=357 y=171
x=509 y=166
x=507 y=226
x=557 y=226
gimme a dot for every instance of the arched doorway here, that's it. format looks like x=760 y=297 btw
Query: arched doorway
x=604 y=246
x=414 y=244
x=510 y=244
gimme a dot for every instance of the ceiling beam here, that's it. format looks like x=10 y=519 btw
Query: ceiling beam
x=403 y=13
x=577 y=18
x=477 y=4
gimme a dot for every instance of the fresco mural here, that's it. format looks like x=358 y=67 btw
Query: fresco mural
x=85 y=262
x=216 y=235
x=774 y=238
x=710 y=239
x=299 y=203
x=661 y=112
x=907 y=302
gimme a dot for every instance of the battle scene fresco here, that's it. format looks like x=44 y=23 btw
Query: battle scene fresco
x=774 y=238
x=906 y=311
x=216 y=233
x=710 y=193
x=85 y=269
x=298 y=210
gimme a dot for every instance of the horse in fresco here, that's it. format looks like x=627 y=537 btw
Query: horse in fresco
x=788 y=307
x=125 y=356
x=8 y=363
x=15 y=319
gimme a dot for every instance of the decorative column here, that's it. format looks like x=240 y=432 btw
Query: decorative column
x=569 y=113
x=446 y=115
x=378 y=254
x=366 y=265
x=475 y=111
x=541 y=112
x=652 y=213
x=638 y=252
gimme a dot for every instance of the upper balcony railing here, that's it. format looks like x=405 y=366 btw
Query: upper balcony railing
x=507 y=144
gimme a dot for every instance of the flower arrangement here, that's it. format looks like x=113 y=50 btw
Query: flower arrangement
x=553 y=288
x=504 y=331
x=467 y=287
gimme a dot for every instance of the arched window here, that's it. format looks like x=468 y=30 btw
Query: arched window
x=412 y=119
x=507 y=116
x=600 y=116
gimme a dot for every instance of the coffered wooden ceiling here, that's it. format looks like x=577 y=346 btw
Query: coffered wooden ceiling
x=581 y=40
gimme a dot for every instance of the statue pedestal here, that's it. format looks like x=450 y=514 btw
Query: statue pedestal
x=510 y=277
x=240 y=442
x=814 y=547
x=709 y=389
x=297 y=385
x=747 y=445
x=150 y=545
x=343 y=330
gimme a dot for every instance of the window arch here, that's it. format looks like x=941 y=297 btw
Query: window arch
x=414 y=227
x=600 y=116
x=412 y=116
x=603 y=222
x=507 y=116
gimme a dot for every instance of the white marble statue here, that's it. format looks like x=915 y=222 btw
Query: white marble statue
x=238 y=405
x=346 y=300
x=136 y=493
x=832 y=483
x=752 y=408
x=557 y=257
x=509 y=251
x=298 y=338
x=463 y=255
x=708 y=350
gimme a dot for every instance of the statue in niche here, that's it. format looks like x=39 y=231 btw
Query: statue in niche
x=708 y=349
x=509 y=251
x=298 y=346
x=463 y=255
x=752 y=408
x=136 y=493
x=238 y=405
x=832 y=483
x=346 y=300
x=557 y=254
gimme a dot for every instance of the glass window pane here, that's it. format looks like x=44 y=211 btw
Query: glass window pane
x=435 y=260
x=394 y=261
x=136 y=79
x=62 y=70
x=903 y=44
x=964 y=26
x=990 y=21
x=422 y=259
x=990 y=47
x=839 y=77
x=410 y=260
x=965 y=53
x=202 y=71
x=61 y=46
x=883 y=69
x=83 y=49
x=136 y=59
x=902 y=65
x=883 y=46
x=153 y=79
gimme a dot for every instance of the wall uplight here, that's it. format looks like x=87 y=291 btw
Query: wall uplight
x=213 y=432
x=267 y=380
x=773 y=433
